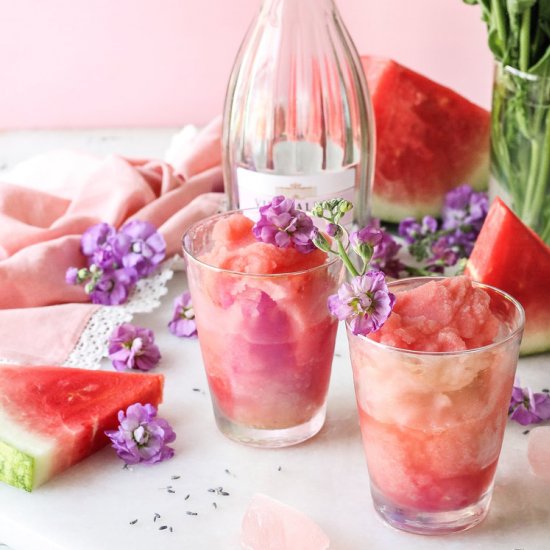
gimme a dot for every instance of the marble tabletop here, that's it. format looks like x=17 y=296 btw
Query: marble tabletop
x=94 y=505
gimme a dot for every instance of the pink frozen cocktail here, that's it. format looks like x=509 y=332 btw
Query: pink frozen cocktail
x=433 y=387
x=266 y=337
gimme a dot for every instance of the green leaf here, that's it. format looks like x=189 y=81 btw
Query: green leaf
x=517 y=7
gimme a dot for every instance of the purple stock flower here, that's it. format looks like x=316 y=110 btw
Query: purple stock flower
x=71 y=276
x=132 y=347
x=96 y=236
x=142 y=436
x=465 y=209
x=527 y=407
x=283 y=225
x=412 y=231
x=364 y=302
x=113 y=287
x=140 y=246
x=385 y=248
x=183 y=319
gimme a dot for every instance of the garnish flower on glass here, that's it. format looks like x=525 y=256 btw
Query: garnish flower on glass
x=134 y=348
x=183 y=319
x=117 y=260
x=527 y=407
x=142 y=436
x=283 y=225
x=365 y=301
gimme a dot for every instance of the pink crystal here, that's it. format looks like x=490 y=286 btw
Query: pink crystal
x=538 y=451
x=271 y=525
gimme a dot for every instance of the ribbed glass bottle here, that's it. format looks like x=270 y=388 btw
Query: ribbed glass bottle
x=298 y=118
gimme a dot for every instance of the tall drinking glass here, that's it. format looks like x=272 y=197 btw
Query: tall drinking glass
x=267 y=341
x=432 y=423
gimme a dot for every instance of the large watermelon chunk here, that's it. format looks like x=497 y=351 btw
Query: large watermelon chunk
x=429 y=140
x=512 y=257
x=53 y=417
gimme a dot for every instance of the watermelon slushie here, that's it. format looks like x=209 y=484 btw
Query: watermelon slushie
x=433 y=387
x=266 y=336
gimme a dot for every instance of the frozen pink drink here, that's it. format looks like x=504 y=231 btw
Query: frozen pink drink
x=266 y=336
x=433 y=387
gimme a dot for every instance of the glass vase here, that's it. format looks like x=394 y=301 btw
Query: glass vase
x=520 y=146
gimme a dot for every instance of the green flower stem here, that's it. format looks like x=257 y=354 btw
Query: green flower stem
x=525 y=40
x=345 y=258
x=500 y=23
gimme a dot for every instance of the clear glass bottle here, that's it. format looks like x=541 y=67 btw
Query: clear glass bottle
x=298 y=118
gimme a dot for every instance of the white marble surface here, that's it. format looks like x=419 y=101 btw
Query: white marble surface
x=90 y=506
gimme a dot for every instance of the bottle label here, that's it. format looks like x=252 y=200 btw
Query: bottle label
x=258 y=188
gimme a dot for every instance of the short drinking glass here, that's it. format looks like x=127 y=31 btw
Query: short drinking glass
x=432 y=423
x=267 y=342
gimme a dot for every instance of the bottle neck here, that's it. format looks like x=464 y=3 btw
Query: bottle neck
x=290 y=4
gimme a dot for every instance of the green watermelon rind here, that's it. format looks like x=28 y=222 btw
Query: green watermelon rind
x=393 y=212
x=16 y=467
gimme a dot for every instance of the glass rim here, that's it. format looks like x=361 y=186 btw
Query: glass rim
x=420 y=353
x=330 y=261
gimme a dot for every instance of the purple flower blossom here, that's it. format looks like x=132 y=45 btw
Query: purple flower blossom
x=465 y=209
x=140 y=246
x=385 y=248
x=364 y=302
x=412 y=231
x=132 y=347
x=183 y=319
x=141 y=436
x=71 y=276
x=283 y=225
x=96 y=236
x=527 y=407
x=112 y=287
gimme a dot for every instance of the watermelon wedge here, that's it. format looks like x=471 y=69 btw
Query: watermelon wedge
x=429 y=140
x=512 y=257
x=53 y=417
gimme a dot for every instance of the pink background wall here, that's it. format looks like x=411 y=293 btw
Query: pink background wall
x=97 y=63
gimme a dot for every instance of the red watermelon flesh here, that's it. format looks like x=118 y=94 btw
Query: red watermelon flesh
x=429 y=140
x=53 y=417
x=510 y=256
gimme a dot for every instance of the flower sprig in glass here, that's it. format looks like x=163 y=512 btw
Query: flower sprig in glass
x=364 y=301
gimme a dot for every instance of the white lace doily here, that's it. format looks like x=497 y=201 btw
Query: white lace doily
x=93 y=342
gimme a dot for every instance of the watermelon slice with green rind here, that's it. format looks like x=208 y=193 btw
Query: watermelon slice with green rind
x=510 y=256
x=53 y=417
x=429 y=140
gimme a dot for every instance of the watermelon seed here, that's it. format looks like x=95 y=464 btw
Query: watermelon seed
x=215 y=505
x=175 y=477
x=171 y=530
x=192 y=513
x=163 y=527
x=156 y=516
x=526 y=432
x=186 y=497
x=279 y=468
x=337 y=355
x=545 y=390
x=229 y=473
x=196 y=389
x=171 y=491
x=133 y=522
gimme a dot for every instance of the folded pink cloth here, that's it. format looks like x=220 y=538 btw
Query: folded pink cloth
x=41 y=317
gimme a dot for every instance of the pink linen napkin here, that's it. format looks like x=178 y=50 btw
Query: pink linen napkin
x=41 y=317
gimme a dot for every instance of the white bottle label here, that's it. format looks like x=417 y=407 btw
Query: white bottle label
x=258 y=188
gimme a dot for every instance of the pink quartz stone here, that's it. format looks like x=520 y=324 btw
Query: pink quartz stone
x=271 y=525
x=538 y=451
